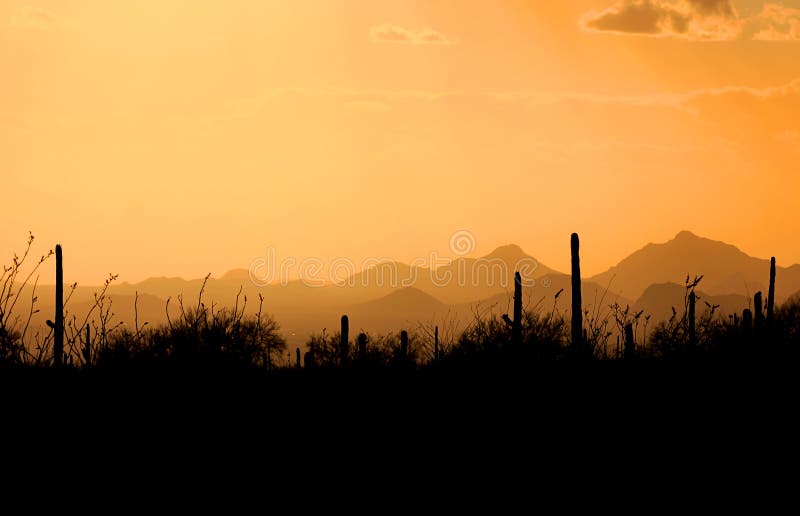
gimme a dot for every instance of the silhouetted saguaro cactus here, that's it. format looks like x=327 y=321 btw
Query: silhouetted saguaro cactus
x=404 y=344
x=747 y=322
x=362 y=346
x=87 y=347
x=58 y=325
x=771 y=293
x=692 y=327
x=344 y=341
x=516 y=323
x=758 y=308
x=577 y=309
x=630 y=343
x=297 y=358
x=436 y=343
x=516 y=328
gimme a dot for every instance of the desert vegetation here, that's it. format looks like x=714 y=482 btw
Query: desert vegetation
x=204 y=335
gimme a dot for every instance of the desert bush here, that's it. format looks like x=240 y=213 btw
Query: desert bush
x=382 y=350
x=200 y=337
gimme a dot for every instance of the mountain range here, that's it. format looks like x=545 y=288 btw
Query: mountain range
x=725 y=269
x=393 y=295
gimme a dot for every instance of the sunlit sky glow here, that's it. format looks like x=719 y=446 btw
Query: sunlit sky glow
x=180 y=137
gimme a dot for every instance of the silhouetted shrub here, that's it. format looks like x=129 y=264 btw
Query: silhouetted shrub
x=199 y=339
x=381 y=351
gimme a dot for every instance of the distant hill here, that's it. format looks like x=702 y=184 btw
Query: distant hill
x=725 y=268
x=475 y=279
x=554 y=293
x=658 y=301
x=236 y=275
x=461 y=281
x=392 y=295
x=404 y=301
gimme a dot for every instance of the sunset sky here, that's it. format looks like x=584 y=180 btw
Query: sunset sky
x=180 y=137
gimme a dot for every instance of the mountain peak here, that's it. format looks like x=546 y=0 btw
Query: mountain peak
x=726 y=269
x=236 y=275
x=686 y=235
x=512 y=251
x=404 y=300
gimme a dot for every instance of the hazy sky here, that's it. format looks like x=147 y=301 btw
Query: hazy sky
x=165 y=137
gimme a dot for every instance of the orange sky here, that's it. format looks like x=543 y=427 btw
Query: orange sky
x=166 y=137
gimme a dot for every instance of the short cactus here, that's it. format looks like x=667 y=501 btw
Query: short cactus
x=308 y=360
x=362 y=346
x=758 y=308
x=747 y=321
x=630 y=343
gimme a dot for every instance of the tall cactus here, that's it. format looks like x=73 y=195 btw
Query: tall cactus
x=758 y=308
x=436 y=343
x=297 y=358
x=577 y=309
x=692 y=319
x=516 y=328
x=344 y=341
x=58 y=325
x=771 y=294
x=516 y=324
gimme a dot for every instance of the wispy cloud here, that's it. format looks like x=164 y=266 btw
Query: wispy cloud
x=33 y=18
x=388 y=33
x=686 y=102
x=368 y=106
x=383 y=100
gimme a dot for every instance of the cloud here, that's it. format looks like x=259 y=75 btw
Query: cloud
x=688 y=102
x=777 y=23
x=387 y=33
x=713 y=7
x=636 y=18
x=693 y=20
x=33 y=18
x=784 y=90
x=695 y=102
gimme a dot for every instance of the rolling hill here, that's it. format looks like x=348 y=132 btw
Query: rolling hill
x=391 y=295
x=658 y=301
x=725 y=268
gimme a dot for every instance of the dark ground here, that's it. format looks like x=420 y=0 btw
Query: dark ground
x=574 y=433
